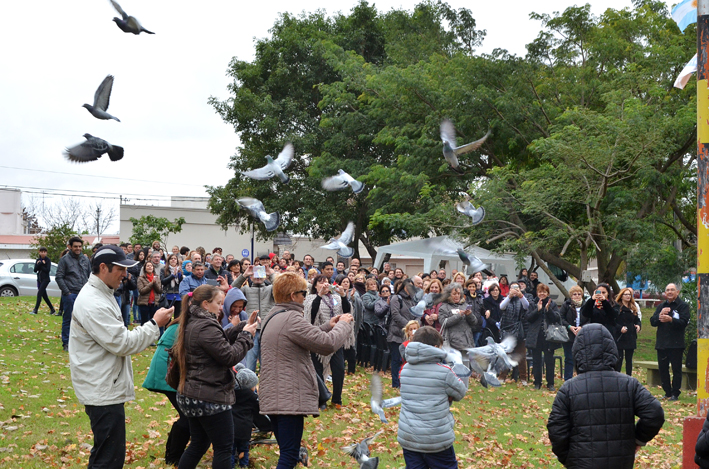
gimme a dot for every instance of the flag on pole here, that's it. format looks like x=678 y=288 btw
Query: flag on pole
x=685 y=13
x=686 y=73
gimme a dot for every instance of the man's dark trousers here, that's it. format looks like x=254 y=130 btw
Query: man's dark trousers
x=108 y=424
x=665 y=358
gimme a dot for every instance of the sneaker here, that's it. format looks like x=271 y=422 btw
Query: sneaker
x=524 y=383
x=329 y=379
x=53 y=313
x=33 y=312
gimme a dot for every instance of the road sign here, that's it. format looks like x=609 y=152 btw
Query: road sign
x=245 y=253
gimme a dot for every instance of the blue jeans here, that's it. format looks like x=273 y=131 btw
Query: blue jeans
x=66 y=317
x=442 y=460
x=125 y=310
x=288 y=430
x=136 y=310
x=568 y=361
x=217 y=430
x=240 y=446
x=253 y=354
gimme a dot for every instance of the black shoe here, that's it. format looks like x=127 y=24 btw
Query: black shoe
x=537 y=387
x=65 y=347
x=666 y=397
x=551 y=388
x=53 y=313
x=323 y=406
x=673 y=398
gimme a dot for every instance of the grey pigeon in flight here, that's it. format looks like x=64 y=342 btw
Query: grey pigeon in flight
x=255 y=206
x=425 y=303
x=467 y=209
x=451 y=152
x=473 y=262
x=455 y=360
x=274 y=167
x=492 y=359
x=377 y=403
x=341 y=244
x=128 y=24
x=341 y=181
x=101 y=99
x=360 y=452
x=92 y=149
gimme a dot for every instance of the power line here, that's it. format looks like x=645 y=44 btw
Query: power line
x=104 y=177
x=80 y=193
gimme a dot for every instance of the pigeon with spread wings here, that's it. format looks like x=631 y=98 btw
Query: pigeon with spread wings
x=255 y=206
x=128 y=24
x=451 y=152
x=101 y=99
x=492 y=359
x=476 y=214
x=92 y=149
x=377 y=403
x=274 y=167
x=360 y=452
x=342 y=181
x=341 y=244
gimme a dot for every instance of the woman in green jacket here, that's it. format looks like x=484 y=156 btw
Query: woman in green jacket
x=155 y=381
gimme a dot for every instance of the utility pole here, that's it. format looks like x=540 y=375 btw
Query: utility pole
x=693 y=425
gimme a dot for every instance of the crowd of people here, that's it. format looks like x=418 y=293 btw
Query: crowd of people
x=208 y=313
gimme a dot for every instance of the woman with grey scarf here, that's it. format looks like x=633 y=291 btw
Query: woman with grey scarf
x=324 y=302
x=459 y=321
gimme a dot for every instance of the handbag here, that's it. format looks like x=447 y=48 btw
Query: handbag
x=556 y=334
x=162 y=302
x=172 y=377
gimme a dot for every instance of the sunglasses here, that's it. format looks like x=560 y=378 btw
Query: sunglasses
x=302 y=292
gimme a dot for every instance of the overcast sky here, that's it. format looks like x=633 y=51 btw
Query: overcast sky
x=55 y=54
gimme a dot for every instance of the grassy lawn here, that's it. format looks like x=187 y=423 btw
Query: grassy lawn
x=43 y=425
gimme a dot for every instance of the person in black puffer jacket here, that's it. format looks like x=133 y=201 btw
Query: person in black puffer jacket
x=592 y=421
x=701 y=449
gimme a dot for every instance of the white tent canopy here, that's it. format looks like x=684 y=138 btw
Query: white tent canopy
x=442 y=248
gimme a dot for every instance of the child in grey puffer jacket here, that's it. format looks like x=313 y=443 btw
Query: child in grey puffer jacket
x=427 y=389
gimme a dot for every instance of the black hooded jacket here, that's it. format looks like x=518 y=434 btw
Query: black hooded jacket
x=592 y=422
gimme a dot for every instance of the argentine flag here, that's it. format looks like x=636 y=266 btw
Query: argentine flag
x=686 y=73
x=685 y=13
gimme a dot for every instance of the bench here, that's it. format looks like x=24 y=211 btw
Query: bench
x=689 y=377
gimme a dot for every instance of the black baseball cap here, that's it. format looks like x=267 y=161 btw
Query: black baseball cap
x=110 y=254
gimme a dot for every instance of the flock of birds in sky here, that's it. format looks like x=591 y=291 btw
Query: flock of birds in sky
x=94 y=147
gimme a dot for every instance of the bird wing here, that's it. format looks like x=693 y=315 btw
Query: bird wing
x=353 y=450
x=347 y=235
x=119 y=9
x=346 y=252
x=260 y=174
x=480 y=357
x=476 y=264
x=464 y=207
x=467 y=148
x=103 y=93
x=477 y=215
x=448 y=132
x=85 y=151
x=376 y=388
x=334 y=183
x=333 y=244
x=285 y=157
x=252 y=205
x=508 y=343
x=134 y=24
x=392 y=402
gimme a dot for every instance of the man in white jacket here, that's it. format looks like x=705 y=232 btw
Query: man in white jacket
x=100 y=347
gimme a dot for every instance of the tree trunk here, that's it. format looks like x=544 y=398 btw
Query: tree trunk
x=551 y=275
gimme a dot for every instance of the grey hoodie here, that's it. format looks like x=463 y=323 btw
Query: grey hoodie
x=233 y=295
x=425 y=421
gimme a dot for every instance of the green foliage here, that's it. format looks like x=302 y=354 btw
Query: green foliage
x=149 y=228
x=54 y=239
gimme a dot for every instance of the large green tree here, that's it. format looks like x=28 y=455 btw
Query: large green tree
x=591 y=154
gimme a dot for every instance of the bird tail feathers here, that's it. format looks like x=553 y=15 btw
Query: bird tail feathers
x=115 y=153
x=273 y=222
x=346 y=252
x=357 y=186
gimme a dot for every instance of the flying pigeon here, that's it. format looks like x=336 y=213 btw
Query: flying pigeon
x=360 y=452
x=340 y=244
x=128 y=24
x=455 y=360
x=274 y=167
x=101 y=98
x=492 y=359
x=426 y=302
x=92 y=149
x=450 y=151
x=341 y=181
x=467 y=209
x=473 y=262
x=378 y=405
x=255 y=206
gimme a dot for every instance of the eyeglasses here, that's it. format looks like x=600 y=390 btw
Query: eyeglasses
x=385 y=291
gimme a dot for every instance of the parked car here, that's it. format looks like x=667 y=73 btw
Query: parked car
x=17 y=278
